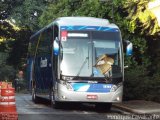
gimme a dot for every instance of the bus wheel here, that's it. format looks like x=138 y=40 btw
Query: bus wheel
x=103 y=106
x=35 y=99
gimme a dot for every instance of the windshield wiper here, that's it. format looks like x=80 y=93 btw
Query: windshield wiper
x=85 y=61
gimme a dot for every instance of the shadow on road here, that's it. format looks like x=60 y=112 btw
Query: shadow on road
x=71 y=106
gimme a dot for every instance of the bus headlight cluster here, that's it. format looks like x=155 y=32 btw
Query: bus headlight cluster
x=115 y=87
x=69 y=86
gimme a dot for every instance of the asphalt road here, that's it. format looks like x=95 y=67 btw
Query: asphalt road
x=27 y=110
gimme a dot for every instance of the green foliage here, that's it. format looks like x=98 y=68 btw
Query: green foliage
x=53 y=11
x=7 y=31
x=5 y=8
x=90 y=8
x=26 y=13
x=18 y=54
x=154 y=88
x=138 y=85
x=141 y=18
x=7 y=72
x=131 y=16
x=135 y=83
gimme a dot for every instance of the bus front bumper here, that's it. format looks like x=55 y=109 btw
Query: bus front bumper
x=66 y=95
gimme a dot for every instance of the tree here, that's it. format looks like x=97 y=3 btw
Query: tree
x=7 y=72
x=92 y=8
x=6 y=6
x=10 y=34
x=18 y=54
x=27 y=13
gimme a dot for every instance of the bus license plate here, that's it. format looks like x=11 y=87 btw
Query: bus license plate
x=93 y=97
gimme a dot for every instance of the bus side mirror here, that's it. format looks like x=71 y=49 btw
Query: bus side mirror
x=56 y=46
x=128 y=47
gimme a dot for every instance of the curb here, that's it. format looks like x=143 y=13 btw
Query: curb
x=127 y=109
x=138 y=110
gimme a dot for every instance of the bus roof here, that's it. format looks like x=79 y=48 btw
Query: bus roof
x=84 y=21
x=79 y=21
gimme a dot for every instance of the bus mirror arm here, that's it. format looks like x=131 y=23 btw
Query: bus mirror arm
x=126 y=66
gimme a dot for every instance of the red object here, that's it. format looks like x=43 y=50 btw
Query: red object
x=7 y=103
x=6 y=107
x=7 y=99
x=93 y=97
x=8 y=92
x=9 y=116
x=64 y=35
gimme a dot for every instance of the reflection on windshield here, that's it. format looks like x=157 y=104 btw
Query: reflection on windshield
x=75 y=52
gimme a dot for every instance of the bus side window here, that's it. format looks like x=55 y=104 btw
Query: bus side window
x=45 y=42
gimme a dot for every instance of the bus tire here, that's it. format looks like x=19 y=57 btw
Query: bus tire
x=103 y=106
x=35 y=99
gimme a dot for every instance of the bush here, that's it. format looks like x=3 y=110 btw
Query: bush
x=135 y=84
x=154 y=88
x=138 y=85
x=7 y=73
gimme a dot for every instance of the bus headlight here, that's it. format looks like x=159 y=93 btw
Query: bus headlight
x=115 y=87
x=69 y=87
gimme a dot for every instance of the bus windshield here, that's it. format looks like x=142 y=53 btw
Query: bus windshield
x=85 y=54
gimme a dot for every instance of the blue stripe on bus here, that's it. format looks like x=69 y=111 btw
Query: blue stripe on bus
x=94 y=28
x=91 y=87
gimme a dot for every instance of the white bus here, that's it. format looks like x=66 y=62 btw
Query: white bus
x=78 y=59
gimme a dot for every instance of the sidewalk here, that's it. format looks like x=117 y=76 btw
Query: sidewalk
x=139 y=107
